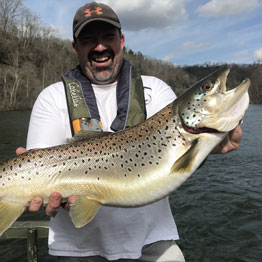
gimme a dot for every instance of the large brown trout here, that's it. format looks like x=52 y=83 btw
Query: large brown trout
x=130 y=168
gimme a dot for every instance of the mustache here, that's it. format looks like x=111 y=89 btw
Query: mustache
x=95 y=53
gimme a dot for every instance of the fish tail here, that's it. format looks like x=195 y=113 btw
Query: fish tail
x=9 y=212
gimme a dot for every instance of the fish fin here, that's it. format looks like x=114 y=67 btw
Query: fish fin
x=83 y=211
x=185 y=162
x=85 y=135
x=9 y=212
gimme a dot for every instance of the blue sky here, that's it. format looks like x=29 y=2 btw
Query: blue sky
x=183 y=32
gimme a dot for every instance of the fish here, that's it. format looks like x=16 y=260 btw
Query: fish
x=130 y=168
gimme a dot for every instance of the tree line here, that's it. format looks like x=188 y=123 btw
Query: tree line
x=182 y=77
x=32 y=57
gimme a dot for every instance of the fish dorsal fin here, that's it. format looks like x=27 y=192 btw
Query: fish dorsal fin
x=9 y=212
x=184 y=164
x=85 y=135
x=83 y=211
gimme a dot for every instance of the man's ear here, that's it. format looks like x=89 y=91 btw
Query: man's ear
x=122 y=39
x=74 y=45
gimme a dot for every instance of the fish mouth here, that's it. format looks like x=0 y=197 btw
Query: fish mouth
x=211 y=108
x=197 y=130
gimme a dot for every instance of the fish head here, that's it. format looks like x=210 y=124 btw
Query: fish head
x=208 y=107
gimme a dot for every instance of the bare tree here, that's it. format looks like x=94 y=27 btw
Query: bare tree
x=255 y=90
x=9 y=11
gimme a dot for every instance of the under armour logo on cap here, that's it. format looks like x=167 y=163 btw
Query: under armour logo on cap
x=97 y=11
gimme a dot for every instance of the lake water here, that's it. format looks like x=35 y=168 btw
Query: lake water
x=217 y=211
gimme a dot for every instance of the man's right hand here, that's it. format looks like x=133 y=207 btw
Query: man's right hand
x=54 y=201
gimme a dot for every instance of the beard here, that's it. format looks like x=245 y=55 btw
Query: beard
x=107 y=74
x=102 y=74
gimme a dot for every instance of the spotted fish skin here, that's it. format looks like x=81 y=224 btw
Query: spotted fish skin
x=125 y=158
x=130 y=168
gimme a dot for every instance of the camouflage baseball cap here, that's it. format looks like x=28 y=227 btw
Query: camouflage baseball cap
x=94 y=12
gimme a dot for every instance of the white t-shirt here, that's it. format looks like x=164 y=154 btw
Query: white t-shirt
x=114 y=233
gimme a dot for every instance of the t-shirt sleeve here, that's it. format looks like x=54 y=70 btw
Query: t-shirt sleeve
x=157 y=94
x=49 y=119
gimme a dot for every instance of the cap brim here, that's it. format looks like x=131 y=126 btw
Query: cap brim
x=114 y=23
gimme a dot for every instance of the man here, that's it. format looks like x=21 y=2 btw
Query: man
x=142 y=234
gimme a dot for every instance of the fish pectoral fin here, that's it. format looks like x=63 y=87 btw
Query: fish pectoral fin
x=185 y=162
x=83 y=211
x=9 y=212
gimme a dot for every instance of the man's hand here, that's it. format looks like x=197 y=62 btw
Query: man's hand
x=53 y=205
x=230 y=143
x=20 y=150
x=54 y=201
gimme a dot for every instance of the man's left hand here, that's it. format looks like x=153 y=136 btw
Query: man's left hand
x=230 y=143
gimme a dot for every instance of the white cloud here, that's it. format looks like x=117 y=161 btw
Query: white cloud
x=63 y=32
x=136 y=15
x=258 y=56
x=241 y=43
x=168 y=58
x=239 y=53
x=215 y=8
x=192 y=45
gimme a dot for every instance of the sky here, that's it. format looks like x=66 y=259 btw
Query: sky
x=182 y=32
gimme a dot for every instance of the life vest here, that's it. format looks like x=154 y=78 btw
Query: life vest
x=82 y=107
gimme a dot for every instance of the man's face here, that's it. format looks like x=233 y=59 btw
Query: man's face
x=99 y=48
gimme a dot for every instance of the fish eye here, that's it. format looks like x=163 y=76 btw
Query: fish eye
x=207 y=86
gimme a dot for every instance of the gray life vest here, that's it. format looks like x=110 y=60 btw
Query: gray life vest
x=82 y=106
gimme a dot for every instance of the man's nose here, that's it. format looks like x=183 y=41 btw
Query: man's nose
x=100 y=46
